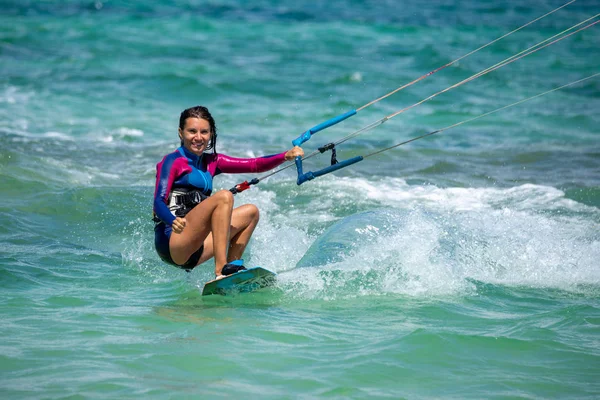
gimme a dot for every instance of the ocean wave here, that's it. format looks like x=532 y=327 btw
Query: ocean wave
x=424 y=253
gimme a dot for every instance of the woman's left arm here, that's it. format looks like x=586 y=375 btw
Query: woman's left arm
x=233 y=165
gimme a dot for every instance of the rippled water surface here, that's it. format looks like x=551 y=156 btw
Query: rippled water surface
x=461 y=265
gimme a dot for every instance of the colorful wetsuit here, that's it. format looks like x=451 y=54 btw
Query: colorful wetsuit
x=183 y=169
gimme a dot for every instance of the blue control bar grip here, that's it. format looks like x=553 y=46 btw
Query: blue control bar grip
x=309 y=176
x=307 y=135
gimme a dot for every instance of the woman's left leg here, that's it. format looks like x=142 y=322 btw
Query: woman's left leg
x=243 y=221
x=242 y=226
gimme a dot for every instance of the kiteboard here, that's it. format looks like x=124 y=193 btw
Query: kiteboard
x=244 y=281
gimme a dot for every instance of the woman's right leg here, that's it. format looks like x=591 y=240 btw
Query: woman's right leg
x=212 y=215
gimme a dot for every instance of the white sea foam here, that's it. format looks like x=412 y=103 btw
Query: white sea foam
x=122 y=133
x=14 y=95
x=58 y=135
x=397 y=193
x=439 y=241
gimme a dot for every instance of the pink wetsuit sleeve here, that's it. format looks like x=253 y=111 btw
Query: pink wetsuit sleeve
x=221 y=163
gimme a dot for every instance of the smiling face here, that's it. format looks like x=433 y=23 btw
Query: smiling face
x=195 y=135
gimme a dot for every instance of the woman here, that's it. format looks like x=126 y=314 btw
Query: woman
x=192 y=226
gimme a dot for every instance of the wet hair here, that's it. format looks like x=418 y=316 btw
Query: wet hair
x=203 y=113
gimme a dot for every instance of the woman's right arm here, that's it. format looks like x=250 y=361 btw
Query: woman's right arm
x=167 y=171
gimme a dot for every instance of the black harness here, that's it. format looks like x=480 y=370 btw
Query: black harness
x=181 y=201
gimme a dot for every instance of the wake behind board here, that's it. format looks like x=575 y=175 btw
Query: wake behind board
x=244 y=281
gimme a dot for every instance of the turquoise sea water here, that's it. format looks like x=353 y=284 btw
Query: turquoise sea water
x=462 y=265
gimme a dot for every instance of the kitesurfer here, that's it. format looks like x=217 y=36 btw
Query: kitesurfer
x=192 y=224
